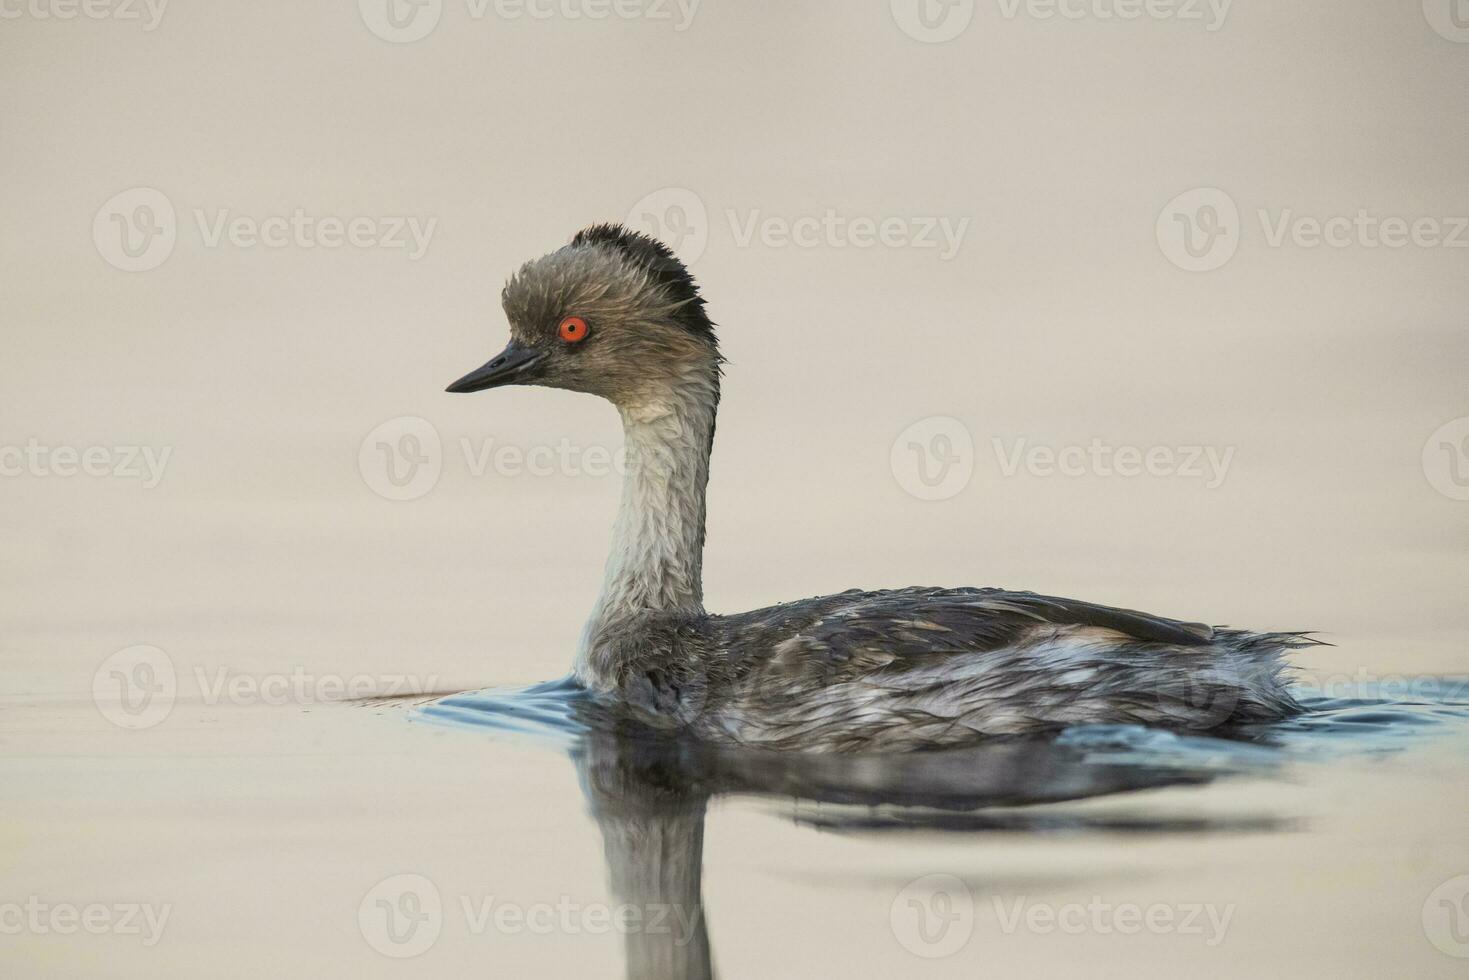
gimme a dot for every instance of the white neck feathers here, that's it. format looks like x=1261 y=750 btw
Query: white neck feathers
x=656 y=564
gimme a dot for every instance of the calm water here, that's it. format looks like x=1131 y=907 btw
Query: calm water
x=649 y=794
x=524 y=832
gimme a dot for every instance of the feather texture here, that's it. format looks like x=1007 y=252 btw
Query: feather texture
x=891 y=671
x=920 y=668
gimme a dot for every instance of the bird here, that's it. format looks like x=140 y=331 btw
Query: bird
x=615 y=313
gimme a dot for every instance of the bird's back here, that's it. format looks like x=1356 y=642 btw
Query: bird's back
x=926 y=667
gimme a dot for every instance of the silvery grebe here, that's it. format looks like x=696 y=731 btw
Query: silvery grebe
x=615 y=314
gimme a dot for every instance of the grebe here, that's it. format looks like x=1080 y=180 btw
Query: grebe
x=615 y=314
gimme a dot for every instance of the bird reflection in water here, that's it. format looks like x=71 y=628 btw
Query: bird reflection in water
x=648 y=792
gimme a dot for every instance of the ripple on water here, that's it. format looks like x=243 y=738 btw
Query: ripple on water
x=924 y=790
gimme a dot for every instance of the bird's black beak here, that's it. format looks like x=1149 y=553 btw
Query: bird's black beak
x=513 y=365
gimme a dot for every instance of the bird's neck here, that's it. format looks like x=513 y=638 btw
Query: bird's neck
x=656 y=564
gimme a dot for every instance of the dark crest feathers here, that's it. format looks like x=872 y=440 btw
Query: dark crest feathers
x=662 y=265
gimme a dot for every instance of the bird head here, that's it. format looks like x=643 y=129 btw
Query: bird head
x=614 y=314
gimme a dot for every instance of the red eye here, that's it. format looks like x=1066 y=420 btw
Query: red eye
x=573 y=330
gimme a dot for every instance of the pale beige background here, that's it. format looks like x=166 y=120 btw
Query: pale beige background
x=1060 y=320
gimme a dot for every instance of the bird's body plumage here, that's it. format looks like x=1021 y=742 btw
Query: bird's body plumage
x=888 y=671
x=925 y=667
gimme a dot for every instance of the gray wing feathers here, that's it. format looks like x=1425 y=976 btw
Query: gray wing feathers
x=874 y=629
x=920 y=667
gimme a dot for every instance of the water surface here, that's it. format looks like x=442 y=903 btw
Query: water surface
x=649 y=793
